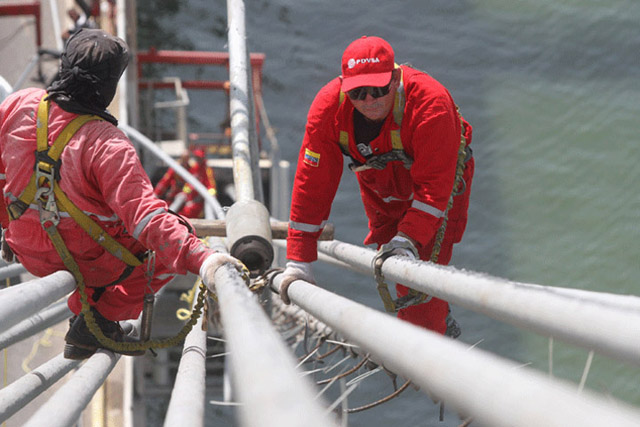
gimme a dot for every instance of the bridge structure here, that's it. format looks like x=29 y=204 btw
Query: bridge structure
x=273 y=389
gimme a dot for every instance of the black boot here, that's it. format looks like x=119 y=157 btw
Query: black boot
x=79 y=337
x=73 y=352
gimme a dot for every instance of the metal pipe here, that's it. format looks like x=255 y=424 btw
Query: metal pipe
x=26 y=299
x=146 y=317
x=75 y=394
x=50 y=316
x=23 y=390
x=595 y=323
x=263 y=370
x=254 y=147
x=248 y=230
x=55 y=20
x=249 y=235
x=12 y=271
x=145 y=142
x=33 y=62
x=239 y=102
x=186 y=406
x=493 y=390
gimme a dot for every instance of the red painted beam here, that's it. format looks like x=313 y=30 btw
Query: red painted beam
x=188 y=84
x=32 y=8
x=192 y=57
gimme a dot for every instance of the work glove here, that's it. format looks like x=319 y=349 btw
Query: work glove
x=215 y=261
x=295 y=270
x=399 y=245
x=6 y=252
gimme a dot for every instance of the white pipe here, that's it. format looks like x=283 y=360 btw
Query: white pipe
x=12 y=270
x=492 y=390
x=50 y=316
x=239 y=102
x=265 y=380
x=605 y=326
x=186 y=406
x=23 y=390
x=55 y=18
x=19 y=302
x=65 y=407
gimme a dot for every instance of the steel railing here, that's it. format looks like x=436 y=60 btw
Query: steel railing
x=493 y=390
x=608 y=324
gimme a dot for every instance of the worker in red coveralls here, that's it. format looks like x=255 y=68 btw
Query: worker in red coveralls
x=405 y=139
x=100 y=176
x=173 y=189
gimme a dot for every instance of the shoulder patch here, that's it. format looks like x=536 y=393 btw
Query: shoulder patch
x=311 y=158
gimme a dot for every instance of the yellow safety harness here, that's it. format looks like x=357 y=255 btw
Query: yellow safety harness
x=397 y=153
x=43 y=188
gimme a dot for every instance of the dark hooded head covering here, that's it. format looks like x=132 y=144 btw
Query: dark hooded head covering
x=90 y=68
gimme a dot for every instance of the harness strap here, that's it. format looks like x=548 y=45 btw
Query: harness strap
x=47 y=166
x=397 y=152
x=96 y=232
x=47 y=159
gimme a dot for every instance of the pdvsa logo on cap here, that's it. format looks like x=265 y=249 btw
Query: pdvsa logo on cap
x=353 y=62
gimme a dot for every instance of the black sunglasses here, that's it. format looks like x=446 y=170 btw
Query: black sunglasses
x=360 y=93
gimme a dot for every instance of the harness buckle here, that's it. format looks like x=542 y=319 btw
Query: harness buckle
x=48 y=208
x=16 y=209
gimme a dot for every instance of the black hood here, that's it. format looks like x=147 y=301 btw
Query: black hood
x=90 y=68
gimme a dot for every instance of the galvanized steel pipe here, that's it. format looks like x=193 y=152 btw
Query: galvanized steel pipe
x=186 y=406
x=493 y=390
x=12 y=270
x=23 y=390
x=64 y=408
x=246 y=171
x=609 y=325
x=50 y=316
x=271 y=391
x=19 y=302
x=249 y=235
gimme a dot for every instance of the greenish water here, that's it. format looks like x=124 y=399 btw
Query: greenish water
x=552 y=89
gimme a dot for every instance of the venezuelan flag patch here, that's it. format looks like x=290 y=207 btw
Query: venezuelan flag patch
x=311 y=158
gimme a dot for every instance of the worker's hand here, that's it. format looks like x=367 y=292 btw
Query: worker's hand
x=6 y=252
x=399 y=245
x=295 y=270
x=215 y=261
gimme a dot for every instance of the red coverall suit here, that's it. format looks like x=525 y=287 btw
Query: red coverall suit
x=395 y=199
x=101 y=174
x=171 y=184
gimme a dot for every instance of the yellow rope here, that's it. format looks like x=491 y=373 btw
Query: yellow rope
x=183 y=313
x=116 y=346
x=460 y=166
x=44 y=341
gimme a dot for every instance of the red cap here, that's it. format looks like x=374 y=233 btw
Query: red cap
x=368 y=61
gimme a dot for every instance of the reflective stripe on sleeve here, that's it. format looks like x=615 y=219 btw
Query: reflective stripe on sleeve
x=427 y=209
x=308 y=228
x=142 y=224
x=395 y=199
